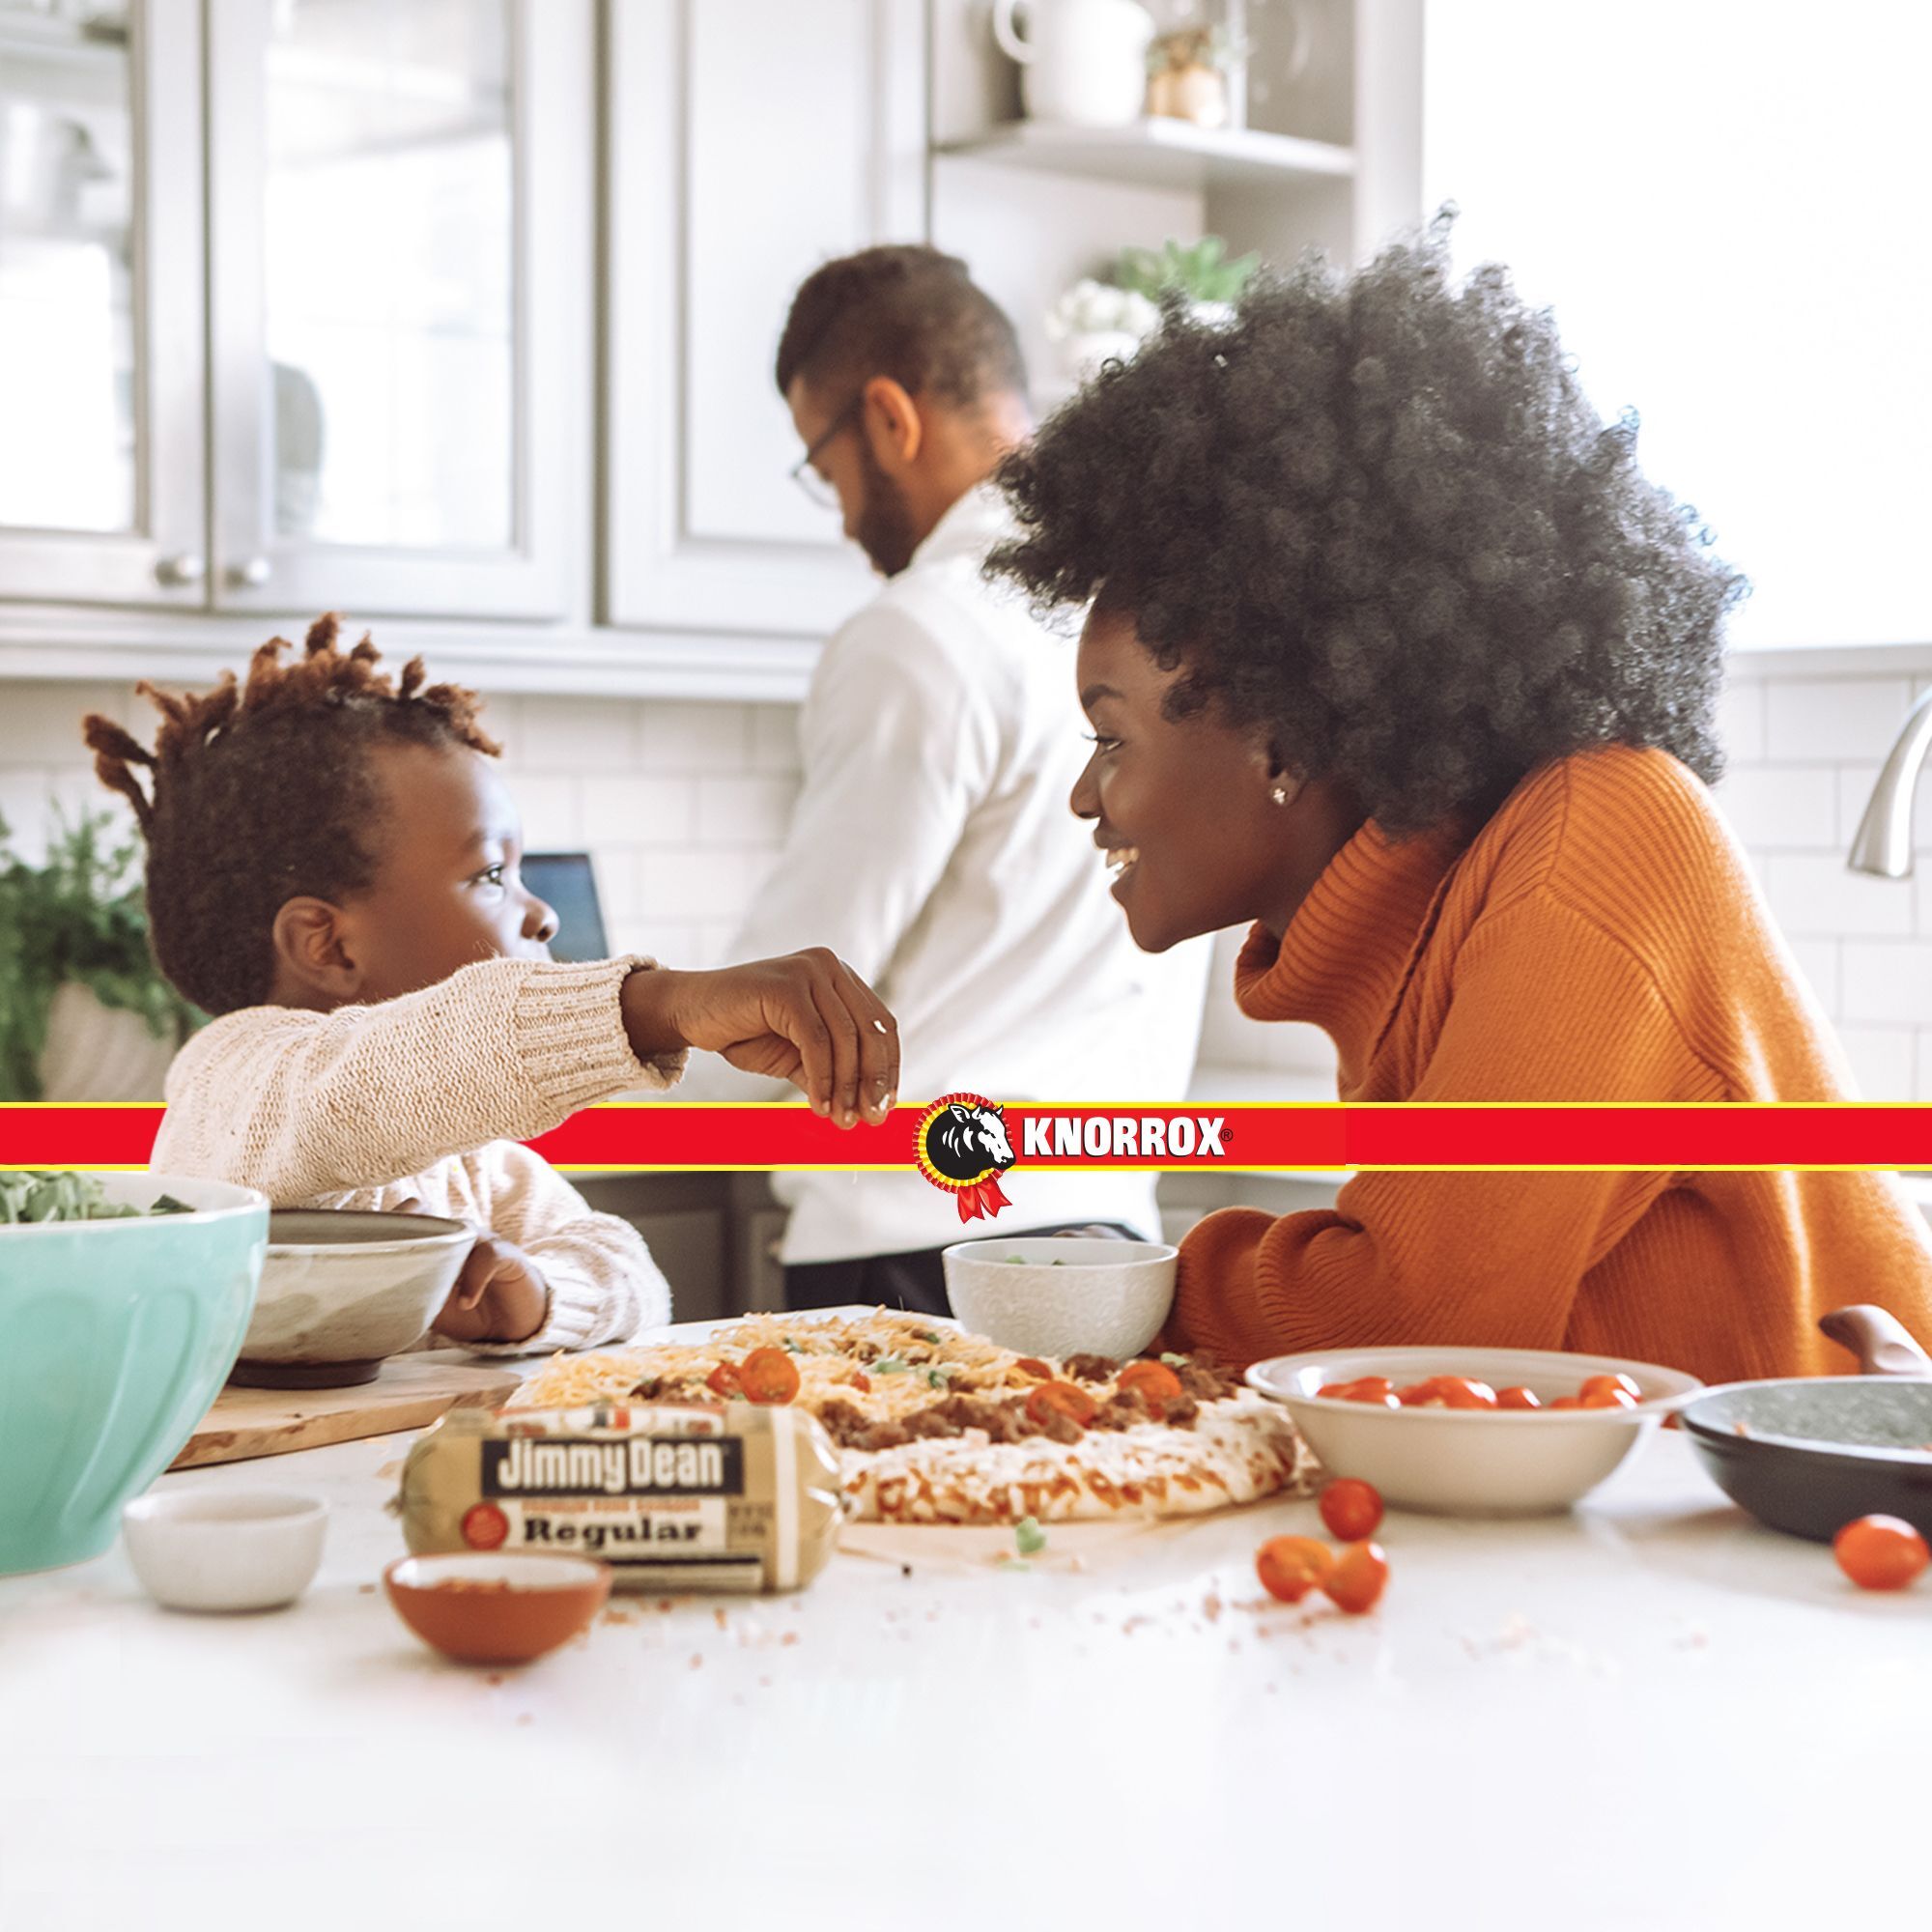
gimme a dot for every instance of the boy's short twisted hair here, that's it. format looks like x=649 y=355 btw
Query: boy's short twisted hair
x=1379 y=517
x=904 y=311
x=261 y=793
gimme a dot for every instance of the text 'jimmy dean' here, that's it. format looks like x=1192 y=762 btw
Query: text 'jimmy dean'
x=642 y=1465
x=1123 y=1137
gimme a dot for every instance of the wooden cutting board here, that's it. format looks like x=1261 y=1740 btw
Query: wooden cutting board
x=408 y=1392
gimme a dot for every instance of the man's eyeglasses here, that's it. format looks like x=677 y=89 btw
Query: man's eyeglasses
x=819 y=487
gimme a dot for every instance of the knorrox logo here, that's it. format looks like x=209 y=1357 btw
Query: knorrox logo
x=1123 y=1137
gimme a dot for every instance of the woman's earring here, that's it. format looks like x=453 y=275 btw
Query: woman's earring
x=1279 y=794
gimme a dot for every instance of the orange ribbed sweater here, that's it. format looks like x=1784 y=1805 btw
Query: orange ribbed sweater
x=1598 y=939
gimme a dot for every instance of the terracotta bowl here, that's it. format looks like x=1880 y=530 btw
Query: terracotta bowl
x=481 y=1608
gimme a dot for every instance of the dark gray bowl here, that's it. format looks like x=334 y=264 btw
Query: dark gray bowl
x=1808 y=1457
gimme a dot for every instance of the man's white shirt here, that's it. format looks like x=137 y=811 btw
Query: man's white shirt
x=933 y=848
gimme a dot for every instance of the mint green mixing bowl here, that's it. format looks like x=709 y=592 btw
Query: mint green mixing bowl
x=114 y=1338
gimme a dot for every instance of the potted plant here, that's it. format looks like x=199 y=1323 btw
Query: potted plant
x=84 y=1012
x=1096 y=322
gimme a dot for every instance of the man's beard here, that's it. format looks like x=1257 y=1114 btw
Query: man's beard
x=885 y=531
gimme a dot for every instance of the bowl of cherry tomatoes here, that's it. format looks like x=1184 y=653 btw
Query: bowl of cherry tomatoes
x=1476 y=1431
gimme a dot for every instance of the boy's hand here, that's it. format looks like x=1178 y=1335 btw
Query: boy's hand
x=500 y=1295
x=805 y=1017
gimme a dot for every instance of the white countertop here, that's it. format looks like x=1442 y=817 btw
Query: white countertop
x=1649 y=1712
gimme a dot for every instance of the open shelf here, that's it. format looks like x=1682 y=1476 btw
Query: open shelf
x=1158 y=153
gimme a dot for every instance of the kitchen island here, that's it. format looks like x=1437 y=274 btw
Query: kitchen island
x=1650 y=1712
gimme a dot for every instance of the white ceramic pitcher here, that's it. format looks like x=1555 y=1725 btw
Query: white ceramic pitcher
x=1083 y=61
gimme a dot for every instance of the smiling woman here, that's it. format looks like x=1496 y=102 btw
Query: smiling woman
x=1396 y=656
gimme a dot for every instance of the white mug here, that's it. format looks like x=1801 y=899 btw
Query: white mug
x=1083 y=61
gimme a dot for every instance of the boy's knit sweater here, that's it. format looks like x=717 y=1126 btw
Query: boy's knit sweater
x=426 y=1097
x=1598 y=939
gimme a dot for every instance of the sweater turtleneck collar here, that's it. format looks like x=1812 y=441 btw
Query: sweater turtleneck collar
x=1344 y=956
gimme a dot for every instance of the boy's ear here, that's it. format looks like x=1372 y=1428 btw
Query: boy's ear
x=309 y=950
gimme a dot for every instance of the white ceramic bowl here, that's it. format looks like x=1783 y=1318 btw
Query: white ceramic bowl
x=225 y=1549
x=1061 y=1295
x=341 y=1290
x=1473 y=1461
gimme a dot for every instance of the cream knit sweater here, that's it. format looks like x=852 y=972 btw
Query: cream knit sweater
x=427 y=1096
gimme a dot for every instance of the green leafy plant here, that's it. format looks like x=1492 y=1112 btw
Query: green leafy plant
x=78 y=918
x=1199 y=273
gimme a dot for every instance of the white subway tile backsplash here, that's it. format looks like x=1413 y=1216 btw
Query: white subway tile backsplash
x=698 y=886
x=40 y=723
x=1887 y=982
x=1823 y=721
x=774 y=738
x=1882 y=1061
x=553 y=812
x=679 y=737
x=1782 y=807
x=745 y=810
x=1740 y=720
x=1813 y=897
x=645 y=812
x=578 y=734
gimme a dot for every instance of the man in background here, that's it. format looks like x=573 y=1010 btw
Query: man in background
x=932 y=847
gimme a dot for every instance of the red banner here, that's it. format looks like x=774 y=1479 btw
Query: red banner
x=666 y=1135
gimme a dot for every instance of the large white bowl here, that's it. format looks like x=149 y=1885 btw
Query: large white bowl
x=1472 y=1461
x=1061 y=1295
x=340 y=1290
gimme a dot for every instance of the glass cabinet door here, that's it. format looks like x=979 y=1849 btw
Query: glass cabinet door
x=395 y=429
x=102 y=494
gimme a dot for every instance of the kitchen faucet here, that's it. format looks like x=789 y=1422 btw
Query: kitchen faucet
x=1882 y=846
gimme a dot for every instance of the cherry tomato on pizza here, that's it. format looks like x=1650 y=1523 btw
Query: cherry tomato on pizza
x=769 y=1376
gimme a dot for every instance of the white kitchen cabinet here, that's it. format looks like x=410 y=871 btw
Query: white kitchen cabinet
x=101 y=306
x=400 y=271
x=745 y=144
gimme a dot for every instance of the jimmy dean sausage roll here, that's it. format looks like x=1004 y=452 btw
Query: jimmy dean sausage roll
x=737 y=1498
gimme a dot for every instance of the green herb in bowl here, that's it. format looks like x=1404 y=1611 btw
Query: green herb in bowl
x=32 y=1195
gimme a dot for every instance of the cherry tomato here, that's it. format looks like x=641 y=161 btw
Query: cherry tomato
x=1033 y=1365
x=1597 y=1384
x=1156 y=1384
x=1352 y=1508
x=724 y=1380
x=1337 y=1391
x=1356 y=1583
x=1606 y=1395
x=1291 y=1566
x=1068 y=1398
x=1448 y=1392
x=1516 y=1397
x=1880 y=1552
x=1568 y=1402
x=769 y=1376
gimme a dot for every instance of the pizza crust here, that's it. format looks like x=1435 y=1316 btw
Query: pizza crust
x=1238 y=1448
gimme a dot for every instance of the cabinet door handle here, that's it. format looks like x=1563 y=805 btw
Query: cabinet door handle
x=251 y=573
x=177 y=571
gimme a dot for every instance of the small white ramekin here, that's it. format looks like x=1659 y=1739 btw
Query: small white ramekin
x=225 y=1549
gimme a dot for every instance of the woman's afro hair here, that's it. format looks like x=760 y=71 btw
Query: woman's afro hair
x=1375 y=516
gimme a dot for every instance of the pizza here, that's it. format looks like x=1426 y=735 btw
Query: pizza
x=933 y=1425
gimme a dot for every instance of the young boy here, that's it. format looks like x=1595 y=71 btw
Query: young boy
x=332 y=871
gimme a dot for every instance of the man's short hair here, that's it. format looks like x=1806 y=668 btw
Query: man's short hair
x=904 y=311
